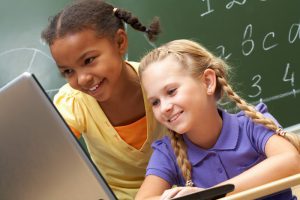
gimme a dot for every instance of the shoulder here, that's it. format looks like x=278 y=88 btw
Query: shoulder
x=70 y=102
x=134 y=65
x=257 y=133
x=67 y=94
x=163 y=145
x=262 y=108
x=163 y=162
x=67 y=90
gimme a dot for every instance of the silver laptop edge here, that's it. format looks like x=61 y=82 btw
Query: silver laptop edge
x=40 y=159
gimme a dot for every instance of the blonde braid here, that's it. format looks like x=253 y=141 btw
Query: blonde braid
x=181 y=154
x=254 y=114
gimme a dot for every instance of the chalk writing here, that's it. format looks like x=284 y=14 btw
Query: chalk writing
x=293 y=36
x=223 y=53
x=256 y=79
x=270 y=46
x=209 y=10
x=255 y=39
x=228 y=6
x=248 y=43
x=289 y=77
x=268 y=43
x=233 y=2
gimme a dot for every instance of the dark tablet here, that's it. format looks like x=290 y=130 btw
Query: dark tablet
x=209 y=194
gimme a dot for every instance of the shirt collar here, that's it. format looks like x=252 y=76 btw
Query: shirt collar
x=227 y=140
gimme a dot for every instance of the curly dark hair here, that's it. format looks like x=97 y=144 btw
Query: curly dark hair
x=97 y=15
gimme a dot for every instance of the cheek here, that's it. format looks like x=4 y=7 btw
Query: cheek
x=73 y=82
x=157 y=115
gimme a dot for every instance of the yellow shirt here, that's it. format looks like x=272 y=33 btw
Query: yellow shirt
x=122 y=165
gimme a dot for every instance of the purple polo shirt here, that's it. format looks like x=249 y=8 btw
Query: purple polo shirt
x=240 y=146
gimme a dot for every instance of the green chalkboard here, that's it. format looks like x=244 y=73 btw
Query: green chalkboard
x=21 y=49
x=260 y=39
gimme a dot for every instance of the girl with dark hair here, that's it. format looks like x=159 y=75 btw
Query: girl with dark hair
x=103 y=100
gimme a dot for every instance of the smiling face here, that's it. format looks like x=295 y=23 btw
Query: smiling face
x=179 y=101
x=89 y=63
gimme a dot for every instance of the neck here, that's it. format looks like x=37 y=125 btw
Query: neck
x=126 y=104
x=208 y=131
x=128 y=86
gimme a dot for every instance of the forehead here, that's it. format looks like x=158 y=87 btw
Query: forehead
x=75 y=44
x=159 y=74
x=75 y=40
x=167 y=67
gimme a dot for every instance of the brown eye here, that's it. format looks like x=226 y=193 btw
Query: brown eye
x=67 y=72
x=89 y=60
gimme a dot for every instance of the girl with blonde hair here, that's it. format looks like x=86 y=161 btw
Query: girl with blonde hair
x=208 y=146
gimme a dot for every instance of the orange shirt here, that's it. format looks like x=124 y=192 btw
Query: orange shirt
x=134 y=134
x=75 y=132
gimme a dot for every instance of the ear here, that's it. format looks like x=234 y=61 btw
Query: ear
x=209 y=78
x=121 y=41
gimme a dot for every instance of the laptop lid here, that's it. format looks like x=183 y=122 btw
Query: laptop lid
x=40 y=159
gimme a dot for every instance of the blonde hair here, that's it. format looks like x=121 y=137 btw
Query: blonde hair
x=195 y=59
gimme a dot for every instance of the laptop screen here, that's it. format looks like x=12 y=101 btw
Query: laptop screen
x=40 y=159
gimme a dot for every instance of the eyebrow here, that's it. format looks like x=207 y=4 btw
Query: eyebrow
x=150 y=98
x=84 y=55
x=61 y=67
x=163 y=89
x=77 y=60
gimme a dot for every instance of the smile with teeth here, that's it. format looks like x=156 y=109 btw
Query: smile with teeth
x=94 y=88
x=173 y=118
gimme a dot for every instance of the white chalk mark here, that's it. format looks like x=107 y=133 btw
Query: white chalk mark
x=30 y=49
x=52 y=90
x=294 y=92
x=276 y=97
x=31 y=61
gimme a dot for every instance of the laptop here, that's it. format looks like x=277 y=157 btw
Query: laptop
x=40 y=159
x=209 y=194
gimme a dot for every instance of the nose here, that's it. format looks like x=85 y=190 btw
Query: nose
x=84 y=79
x=166 y=106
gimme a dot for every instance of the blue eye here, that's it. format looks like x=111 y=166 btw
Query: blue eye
x=171 y=91
x=155 y=103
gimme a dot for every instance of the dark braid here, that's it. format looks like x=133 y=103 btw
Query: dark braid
x=152 y=31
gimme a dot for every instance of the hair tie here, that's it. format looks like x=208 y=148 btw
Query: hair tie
x=189 y=183
x=115 y=10
x=280 y=132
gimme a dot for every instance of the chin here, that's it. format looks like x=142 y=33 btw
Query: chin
x=101 y=98
x=179 y=130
